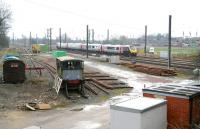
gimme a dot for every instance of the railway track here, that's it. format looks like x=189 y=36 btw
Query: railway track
x=95 y=84
x=175 y=63
x=50 y=69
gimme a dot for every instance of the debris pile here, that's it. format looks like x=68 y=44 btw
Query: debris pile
x=150 y=70
x=105 y=81
x=37 y=106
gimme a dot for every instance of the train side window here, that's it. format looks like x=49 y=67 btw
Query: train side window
x=117 y=48
x=126 y=48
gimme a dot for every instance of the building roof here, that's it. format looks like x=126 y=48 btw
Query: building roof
x=138 y=105
x=10 y=57
x=67 y=58
x=181 y=91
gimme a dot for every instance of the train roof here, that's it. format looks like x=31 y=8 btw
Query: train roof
x=116 y=45
x=67 y=58
x=10 y=57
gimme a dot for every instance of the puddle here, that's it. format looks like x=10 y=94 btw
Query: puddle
x=87 y=125
x=91 y=107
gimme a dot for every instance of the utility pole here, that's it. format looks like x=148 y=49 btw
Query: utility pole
x=87 y=38
x=92 y=35
x=169 y=47
x=13 y=39
x=30 y=42
x=145 y=45
x=50 y=38
x=108 y=35
x=65 y=37
x=25 y=42
x=36 y=39
x=60 y=36
x=89 y=35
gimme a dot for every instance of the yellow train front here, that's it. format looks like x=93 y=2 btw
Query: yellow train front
x=71 y=72
x=133 y=51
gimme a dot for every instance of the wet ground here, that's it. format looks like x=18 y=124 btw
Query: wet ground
x=85 y=116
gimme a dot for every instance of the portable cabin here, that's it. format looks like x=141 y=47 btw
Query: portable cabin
x=13 y=69
x=183 y=102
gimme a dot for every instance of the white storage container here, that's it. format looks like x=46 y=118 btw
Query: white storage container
x=139 y=113
x=114 y=59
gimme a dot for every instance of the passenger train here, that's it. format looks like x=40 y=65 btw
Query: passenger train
x=109 y=49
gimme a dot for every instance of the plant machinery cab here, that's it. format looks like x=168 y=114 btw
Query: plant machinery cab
x=71 y=72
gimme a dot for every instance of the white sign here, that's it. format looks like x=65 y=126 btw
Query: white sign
x=164 y=54
x=57 y=83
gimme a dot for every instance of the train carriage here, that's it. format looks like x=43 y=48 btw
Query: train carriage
x=71 y=71
x=109 y=49
x=74 y=46
x=13 y=69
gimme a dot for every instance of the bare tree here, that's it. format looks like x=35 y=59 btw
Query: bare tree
x=5 y=17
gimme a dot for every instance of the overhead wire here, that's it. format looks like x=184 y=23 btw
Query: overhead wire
x=81 y=15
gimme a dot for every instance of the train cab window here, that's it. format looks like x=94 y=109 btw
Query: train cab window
x=72 y=65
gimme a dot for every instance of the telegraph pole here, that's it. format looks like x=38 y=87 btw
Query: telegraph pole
x=89 y=34
x=60 y=36
x=145 y=45
x=30 y=42
x=13 y=39
x=25 y=42
x=36 y=39
x=50 y=38
x=87 y=38
x=169 y=47
x=108 y=35
x=92 y=35
x=65 y=37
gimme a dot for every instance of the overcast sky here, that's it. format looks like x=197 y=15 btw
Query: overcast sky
x=122 y=17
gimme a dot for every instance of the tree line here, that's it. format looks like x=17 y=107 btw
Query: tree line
x=5 y=17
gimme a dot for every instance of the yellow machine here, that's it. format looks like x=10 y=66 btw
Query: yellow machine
x=133 y=51
x=35 y=48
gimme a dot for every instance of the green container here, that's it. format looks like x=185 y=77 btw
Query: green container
x=44 y=48
x=59 y=53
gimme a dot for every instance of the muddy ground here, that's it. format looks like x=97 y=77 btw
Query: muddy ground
x=79 y=113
